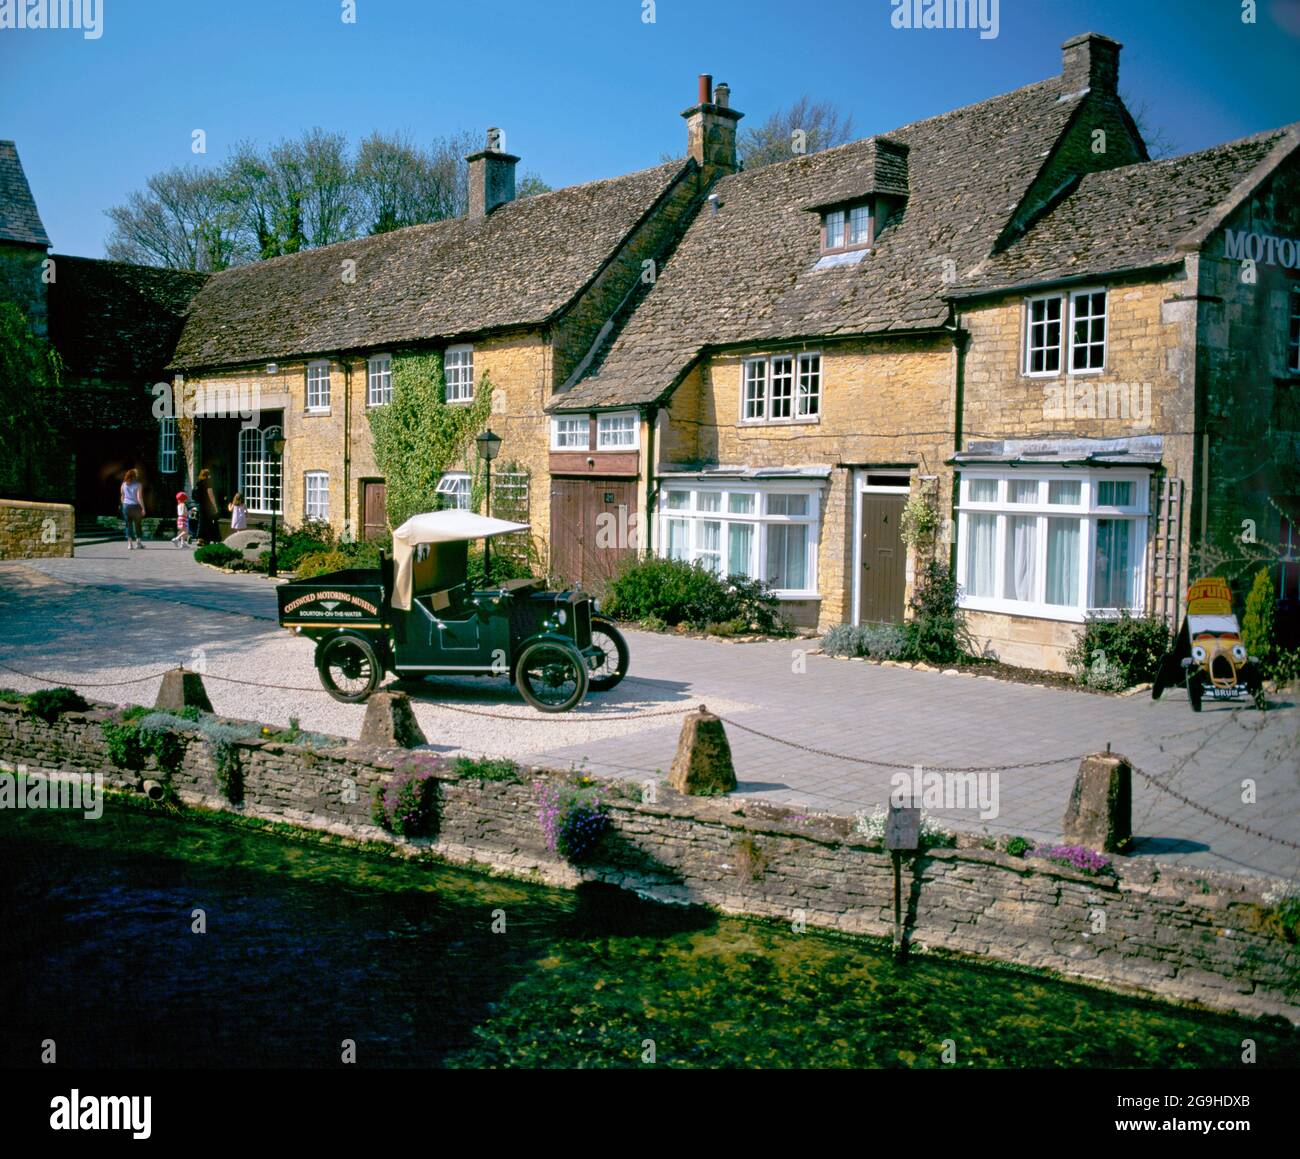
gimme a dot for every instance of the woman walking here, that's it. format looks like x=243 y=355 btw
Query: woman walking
x=132 y=496
x=208 y=530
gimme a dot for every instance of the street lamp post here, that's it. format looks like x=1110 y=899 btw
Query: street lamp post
x=277 y=449
x=488 y=447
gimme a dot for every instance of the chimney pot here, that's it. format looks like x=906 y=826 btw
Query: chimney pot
x=722 y=94
x=706 y=88
x=711 y=130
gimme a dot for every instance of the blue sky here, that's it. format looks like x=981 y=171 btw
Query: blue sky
x=584 y=88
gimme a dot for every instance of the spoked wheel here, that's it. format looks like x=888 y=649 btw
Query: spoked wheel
x=613 y=667
x=349 y=668
x=551 y=676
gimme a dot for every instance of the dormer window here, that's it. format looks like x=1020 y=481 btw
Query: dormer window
x=846 y=228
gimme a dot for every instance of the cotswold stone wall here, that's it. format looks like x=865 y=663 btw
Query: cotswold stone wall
x=35 y=530
x=1175 y=933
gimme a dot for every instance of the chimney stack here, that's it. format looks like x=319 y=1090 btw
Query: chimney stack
x=1090 y=61
x=491 y=176
x=711 y=130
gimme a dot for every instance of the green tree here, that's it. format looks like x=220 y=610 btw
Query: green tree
x=418 y=437
x=1257 y=623
x=31 y=385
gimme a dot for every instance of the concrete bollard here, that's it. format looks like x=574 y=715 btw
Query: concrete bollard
x=182 y=689
x=702 y=765
x=1100 y=813
x=390 y=722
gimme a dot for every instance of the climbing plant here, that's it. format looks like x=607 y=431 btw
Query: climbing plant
x=418 y=437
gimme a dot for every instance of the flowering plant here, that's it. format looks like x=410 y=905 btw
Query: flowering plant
x=1074 y=857
x=408 y=804
x=573 y=818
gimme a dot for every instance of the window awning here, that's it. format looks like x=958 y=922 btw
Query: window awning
x=1136 y=451
x=815 y=471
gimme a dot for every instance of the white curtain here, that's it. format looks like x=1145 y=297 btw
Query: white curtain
x=981 y=563
x=1063 y=562
x=1112 y=573
x=1022 y=557
x=739 y=541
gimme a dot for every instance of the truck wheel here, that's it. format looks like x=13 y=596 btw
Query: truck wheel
x=613 y=668
x=551 y=675
x=349 y=668
x=1195 y=692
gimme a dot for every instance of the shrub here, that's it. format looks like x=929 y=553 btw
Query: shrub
x=879 y=641
x=932 y=834
x=408 y=804
x=51 y=703
x=224 y=740
x=1017 y=846
x=157 y=736
x=123 y=740
x=486 y=769
x=504 y=567
x=936 y=633
x=1259 y=628
x=321 y=563
x=10 y=696
x=672 y=592
x=573 y=818
x=1118 y=653
x=1074 y=857
x=217 y=554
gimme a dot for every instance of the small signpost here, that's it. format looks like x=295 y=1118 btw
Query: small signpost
x=902 y=835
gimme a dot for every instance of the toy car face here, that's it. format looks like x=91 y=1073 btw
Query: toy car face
x=1220 y=655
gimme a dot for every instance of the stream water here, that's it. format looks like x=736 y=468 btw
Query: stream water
x=307 y=945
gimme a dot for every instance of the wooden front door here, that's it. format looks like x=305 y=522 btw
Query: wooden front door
x=374 y=513
x=593 y=529
x=882 y=566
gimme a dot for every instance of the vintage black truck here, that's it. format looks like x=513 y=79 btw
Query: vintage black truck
x=415 y=616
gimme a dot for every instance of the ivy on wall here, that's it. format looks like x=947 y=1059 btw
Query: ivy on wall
x=418 y=437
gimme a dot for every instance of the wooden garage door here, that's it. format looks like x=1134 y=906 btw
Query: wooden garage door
x=374 y=514
x=882 y=578
x=590 y=524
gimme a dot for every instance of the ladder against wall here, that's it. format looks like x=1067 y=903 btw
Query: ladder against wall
x=1165 y=581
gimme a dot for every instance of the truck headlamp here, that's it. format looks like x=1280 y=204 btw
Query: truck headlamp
x=1239 y=653
x=561 y=617
x=1198 y=654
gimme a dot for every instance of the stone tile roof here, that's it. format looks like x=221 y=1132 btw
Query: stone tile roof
x=519 y=266
x=883 y=169
x=19 y=219
x=1131 y=218
x=114 y=321
x=745 y=273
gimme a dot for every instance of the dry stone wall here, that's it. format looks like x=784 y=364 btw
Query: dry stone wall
x=35 y=530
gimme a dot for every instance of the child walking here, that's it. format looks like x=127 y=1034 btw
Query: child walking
x=238 y=513
x=182 y=538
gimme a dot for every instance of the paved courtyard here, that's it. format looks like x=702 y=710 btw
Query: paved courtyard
x=108 y=617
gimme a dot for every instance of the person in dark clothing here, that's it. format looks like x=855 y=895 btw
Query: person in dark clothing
x=209 y=532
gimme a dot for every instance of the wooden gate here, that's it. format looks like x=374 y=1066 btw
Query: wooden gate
x=374 y=509
x=882 y=571
x=594 y=526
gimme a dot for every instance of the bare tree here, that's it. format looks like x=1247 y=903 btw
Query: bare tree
x=1158 y=142
x=184 y=218
x=806 y=126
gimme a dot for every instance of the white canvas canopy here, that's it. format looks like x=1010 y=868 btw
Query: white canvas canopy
x=453 y=526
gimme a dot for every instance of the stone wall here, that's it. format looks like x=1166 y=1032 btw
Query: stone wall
x=31 y=530
x=1176 y=933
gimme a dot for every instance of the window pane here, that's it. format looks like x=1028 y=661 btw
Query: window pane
x=1114 y=494
x=678 y=501
x=708 y=544
x=741 y=502
x=835 y=229
x=755 y=389
x=782 y=393
x=787 y=556
x=796 y=505
x=1113 y=577
x=740 y=541
x=677 y=539
x=1063 y=562
x=983 y=490
x=981 y=542
x=1067 y=492
x=859 y=222
x=1020 y=569
x=1022 y=491
x=708 y=501
x=810 y=384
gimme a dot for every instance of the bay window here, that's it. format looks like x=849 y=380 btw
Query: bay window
x=761 y=531
x=1054 y=544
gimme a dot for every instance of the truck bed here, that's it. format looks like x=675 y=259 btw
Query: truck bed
x=354 y=596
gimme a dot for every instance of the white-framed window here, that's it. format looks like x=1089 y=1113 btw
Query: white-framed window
x=458 y=366
x=455 y=486
x=1055 y=544
x=167 y=446
x=1054 y=341
x=317 y=504
x=762 y=530
x=379 y=380
x=616 y=432
x=318 y=386
x=1293 y=333
x=781 y=388
x=570 y=433
x=259 y=470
